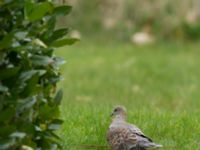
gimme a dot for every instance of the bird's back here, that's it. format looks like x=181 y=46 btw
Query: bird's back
x=124 y=136
x=120 y=137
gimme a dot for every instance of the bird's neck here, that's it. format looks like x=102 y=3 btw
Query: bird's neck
x=119 y=118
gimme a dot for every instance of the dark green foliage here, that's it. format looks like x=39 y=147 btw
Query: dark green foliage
x=192 y=30
x=29 y=72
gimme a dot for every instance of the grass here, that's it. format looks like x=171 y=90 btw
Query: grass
x=159 y=85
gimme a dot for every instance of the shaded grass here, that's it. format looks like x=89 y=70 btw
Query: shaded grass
x=159 y=85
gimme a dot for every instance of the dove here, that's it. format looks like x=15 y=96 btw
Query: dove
x=122 y=135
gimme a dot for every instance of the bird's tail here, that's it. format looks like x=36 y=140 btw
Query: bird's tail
x=157 y=145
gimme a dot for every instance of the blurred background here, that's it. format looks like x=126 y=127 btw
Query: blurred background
x=143 y=54
x=138 y=21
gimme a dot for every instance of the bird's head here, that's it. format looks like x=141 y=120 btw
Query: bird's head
x=119 y=112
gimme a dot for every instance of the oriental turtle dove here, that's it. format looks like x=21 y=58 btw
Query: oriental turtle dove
x=124 y=136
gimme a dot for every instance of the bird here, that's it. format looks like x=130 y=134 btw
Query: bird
x=122 y=135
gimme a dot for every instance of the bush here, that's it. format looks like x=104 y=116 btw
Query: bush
x=192 y=30
x=29 y=72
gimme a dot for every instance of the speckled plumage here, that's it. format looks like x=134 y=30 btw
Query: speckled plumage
x=124 y=136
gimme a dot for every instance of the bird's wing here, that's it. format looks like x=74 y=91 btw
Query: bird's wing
x=120 y=137
x=142 y=140
x=138 y=132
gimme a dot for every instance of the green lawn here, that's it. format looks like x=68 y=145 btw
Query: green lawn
x=158 y=84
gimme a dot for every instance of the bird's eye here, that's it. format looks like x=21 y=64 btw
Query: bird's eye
x=115 y=110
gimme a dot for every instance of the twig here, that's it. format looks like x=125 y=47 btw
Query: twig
x=90 y=145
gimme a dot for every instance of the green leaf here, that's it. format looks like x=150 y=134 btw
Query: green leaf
x=58 y=97
x=41 y=60
x=46 y=112
x=3 y=88
x=58 y=61
x=50 y=26
x=63 y=42
x=28 y=145
x=62 y=10
x=21 y=35
x=28 y=74
x=19 y=135
x=8 y=72
x=7 y=41
x=27 y=104
x=36 y=11
x=27 y=127
x=37 y=128
x=59 y=34
x=31 y=85
x=6 y=144
x=55 y=135
x=55 y=124
x=7 y=130
x=39 y=43
x=7 y=114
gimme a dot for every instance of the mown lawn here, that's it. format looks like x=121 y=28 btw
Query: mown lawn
x=159 y=84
